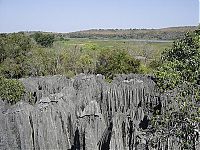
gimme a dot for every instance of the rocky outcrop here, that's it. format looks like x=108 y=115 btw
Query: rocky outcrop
x=84 y=113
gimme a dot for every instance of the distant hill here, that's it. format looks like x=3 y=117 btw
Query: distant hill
x=170 y=33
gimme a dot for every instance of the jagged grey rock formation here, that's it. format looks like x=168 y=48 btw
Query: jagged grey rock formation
x=84 y=113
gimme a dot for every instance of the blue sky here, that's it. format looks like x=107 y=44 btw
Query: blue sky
x=73 y=15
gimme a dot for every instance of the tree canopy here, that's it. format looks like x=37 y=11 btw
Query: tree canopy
x=14 y=49
x=112 y=62
x=45 y=40
x=180 y=63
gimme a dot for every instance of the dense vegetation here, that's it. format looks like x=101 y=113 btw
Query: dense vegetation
x=45 y=40
x=178 y=75
x=11 y=90
x=14 y=49
x=181 y=62
x=111 y=63
x=41 y=54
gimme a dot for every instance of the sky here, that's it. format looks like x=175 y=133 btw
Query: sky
x=75 y=15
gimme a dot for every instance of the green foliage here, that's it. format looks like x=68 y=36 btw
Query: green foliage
x=43 y=61
x=90 y=46
x=14 y=45
x=168 y=77
x=13 y=49
x=11 y=90
x=10 y=68
x=154 y=64
x=86 y=63
x=70 y=74
x=181 y=117
x=180 y=63
x=45 y=40
x=112 y=62
x=21 y=57
x=144 y=69
x=183 y=48
x=178 y=76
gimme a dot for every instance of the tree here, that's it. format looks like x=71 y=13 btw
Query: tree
x=14 y=45
x=112 y=62
x=180 y=63
x=45 y=40
x=38 y=64
x=86 y=64
x=14 y=48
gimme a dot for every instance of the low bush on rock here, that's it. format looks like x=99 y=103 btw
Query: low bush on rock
x=11 y=90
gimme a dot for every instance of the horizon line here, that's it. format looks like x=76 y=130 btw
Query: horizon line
x=105 y=29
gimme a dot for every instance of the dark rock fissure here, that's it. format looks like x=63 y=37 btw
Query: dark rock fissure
x=157 y=108
x=76 y=145
x=104 y=143
x=130 y=135
x=144 y=123
x=123 y=133
x=84 y=140
x=32 y=134
x=35 y=97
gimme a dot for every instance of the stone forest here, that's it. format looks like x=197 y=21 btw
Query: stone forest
x=86 y=96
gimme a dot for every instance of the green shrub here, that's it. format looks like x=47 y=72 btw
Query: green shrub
x=14 y=46
x=112 y=62
x=86 y=63
x=180 y=63
x=45 y=40
x=11 y=90
x=70 y=74
x=154 y=64
x=14 y=50
x=144 y=69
